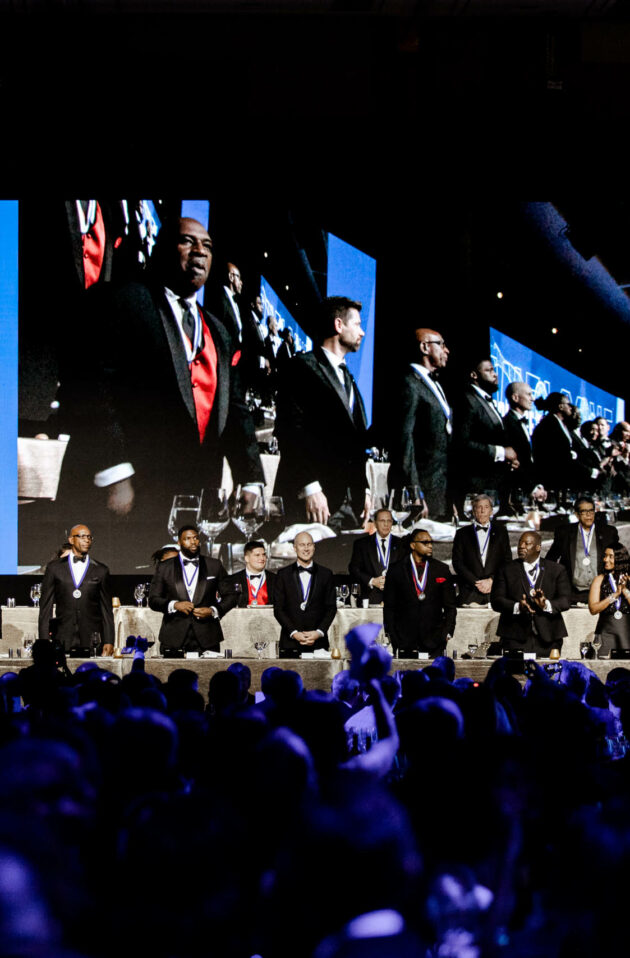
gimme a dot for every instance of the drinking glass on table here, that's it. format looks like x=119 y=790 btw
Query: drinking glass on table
x=95 y=642
x=138 y=594
x=249 y=511
x=597 y=644
x=260 y=645
x=27 y=642
x=35 y=594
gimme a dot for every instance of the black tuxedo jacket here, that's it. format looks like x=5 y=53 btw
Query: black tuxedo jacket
x=467 y=559
x=319 y=436
x=233 y=599
x=557 y=461
x=365 y=563
x=320 y=610
x=479 y=430
x=168 y=585
x=419 y=443
x=412 y=624
x=78 y=618
x=545 y=630
x=565 y=544
x=227 y=317
x=515 y=436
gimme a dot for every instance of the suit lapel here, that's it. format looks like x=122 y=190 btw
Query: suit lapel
x=200 y=588
x=328 y=373
x=178 y=355
x=298 y=584
x=180 y=585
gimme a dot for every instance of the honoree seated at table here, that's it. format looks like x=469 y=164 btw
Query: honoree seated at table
x=78 y=587
x=610 y=598
x=304 y=600
x=580 y=548
x=372 y=556
x=184 y=588
x=478 y=551
x=531 y=594
x=253 y=586
x=419 y=599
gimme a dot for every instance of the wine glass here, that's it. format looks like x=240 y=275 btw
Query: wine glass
x=584 y=645
x=183 y=512
x=35 y=594
x=138 y=594
x=249 y=513
x=355 y=590
x=260 y=645
x=274 y=516
x=400 y=503
x=472 y=649
x=597 y=644
x=213 y=515
x=95 y=641
x=28 y=645
x=344 y=591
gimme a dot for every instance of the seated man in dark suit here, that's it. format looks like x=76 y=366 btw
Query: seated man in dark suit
x=253 y=585
x=580 y=548
x=531 y=594
x=372 y=556
x=419 y=600
x=185 y=590
x=304 y=600
x=478 y=551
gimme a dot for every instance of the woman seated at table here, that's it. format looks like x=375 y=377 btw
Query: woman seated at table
x=610 y=597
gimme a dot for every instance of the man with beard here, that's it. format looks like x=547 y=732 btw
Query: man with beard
x=484 y=454
x=531 y=594
x=184 y=589
x=321 y=425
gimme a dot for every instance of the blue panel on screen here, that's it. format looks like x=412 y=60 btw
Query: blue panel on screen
x=273 y=305
x=353 y=273
x=8 y=384
x=516 y=363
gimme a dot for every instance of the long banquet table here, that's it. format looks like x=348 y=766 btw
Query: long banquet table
x=242 y=627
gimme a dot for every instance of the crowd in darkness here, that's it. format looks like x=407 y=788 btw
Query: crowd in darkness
x=484 y=819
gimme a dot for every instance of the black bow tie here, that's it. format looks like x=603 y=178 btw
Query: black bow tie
x=255 y=576
x=482 y=528
x=191 y=561
x=434 y=376
x=302 y=569
x=78 y=558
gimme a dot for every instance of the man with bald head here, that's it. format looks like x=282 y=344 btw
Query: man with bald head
x=172 y=404
x=531 y=594
x=79 y=588
x=520 y=398
x=304 y=601
x=421 y=426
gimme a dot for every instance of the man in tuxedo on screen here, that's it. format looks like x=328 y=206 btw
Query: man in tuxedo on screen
x=520 y=399
x=531 y=594
x=421 y=426
x=483 y=452
x=419 y=601
x=228 y=304
x=478 y=551
x=167 y=405
x=321 y=425
x=372 y=556
x=185 y=590
x=253 y=586
x=304 y=601
x=78 y=587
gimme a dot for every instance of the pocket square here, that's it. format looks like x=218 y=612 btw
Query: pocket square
x=208 y=577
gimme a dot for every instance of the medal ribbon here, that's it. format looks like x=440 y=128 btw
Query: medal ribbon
x=586 y=541
x=617 y=602
x=420 y=584
x=84 y=568
x=484 y=551
x=532 y=578
x=190 y=589
x=384 y=557
x=305 y=591
x=261 y=582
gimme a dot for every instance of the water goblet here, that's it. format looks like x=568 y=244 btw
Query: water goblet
x=260 y=645
x=213 y=515
x=472 y=649
x=138 y=594
x=584 y=646
x=35 y=593
x=184 y=511
x=95 y=641
x=597 y=644
x=28 y=645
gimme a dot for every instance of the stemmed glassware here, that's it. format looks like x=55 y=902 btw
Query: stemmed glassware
x=597 y=644
x=355 y=590
x=249 y=513
x=213 y=515
x=35 y=594
x=584 y=646
x=28 y=645
x=344 y=591
x=401 y=502
x=260 y=645
x=138 y=593
x=184 y=510
x=95 y=641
